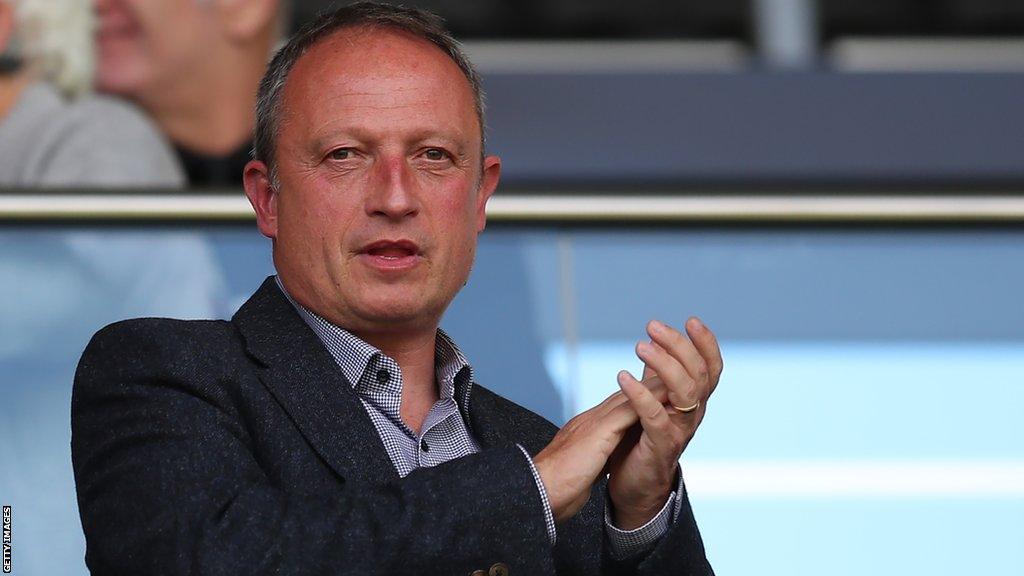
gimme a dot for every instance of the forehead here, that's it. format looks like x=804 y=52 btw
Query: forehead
x=377 y=74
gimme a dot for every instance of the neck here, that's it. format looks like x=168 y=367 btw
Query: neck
x=11 y=87
x=213 y=112
x=414 y=352
x=411 y=345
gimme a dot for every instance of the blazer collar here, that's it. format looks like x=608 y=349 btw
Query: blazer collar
x=301 y=374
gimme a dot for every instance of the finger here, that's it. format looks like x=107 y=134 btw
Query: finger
x=674 y=412
x=679 y=346
x=648 y=373
x=617 y=416
x=618 y=399
x=653 y=417
x=656 y=386
x=619 y=404
x=706 y=343
x=682 y=390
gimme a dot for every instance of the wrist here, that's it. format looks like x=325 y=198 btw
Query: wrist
x=636 y=514
x=631 y=520
x=558 y=500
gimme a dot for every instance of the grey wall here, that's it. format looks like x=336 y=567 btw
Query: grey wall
x=758 y=128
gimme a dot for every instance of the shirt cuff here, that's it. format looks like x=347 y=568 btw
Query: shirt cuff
x=549 y=517
x=625 y=543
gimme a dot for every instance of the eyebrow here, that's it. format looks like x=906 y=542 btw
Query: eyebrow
x=326 y=138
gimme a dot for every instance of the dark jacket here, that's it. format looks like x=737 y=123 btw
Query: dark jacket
x=213 y=447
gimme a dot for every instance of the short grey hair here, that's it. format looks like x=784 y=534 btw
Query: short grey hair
x=54 y=40
x=368 y=15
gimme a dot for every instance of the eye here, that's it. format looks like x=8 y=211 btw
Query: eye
x=435 y=154
x=340 y=154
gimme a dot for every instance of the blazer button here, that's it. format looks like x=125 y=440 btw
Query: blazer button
x=478 y=573
x=499 y=569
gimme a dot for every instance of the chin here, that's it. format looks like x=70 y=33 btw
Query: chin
x=396 y=311
x=117 y=75
x=112 y=84
x=395 y=314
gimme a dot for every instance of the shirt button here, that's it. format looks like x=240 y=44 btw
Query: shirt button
x=499 y=569
x=424 y=446
x=383 y=376
x=478 y=573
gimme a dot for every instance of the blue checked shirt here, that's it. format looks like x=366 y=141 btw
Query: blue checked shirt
x=444 y=436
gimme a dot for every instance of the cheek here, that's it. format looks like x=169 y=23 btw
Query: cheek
x=460 y=228
x=130 y=63
x=458 y=199
x=173 y=42
x=313 y=224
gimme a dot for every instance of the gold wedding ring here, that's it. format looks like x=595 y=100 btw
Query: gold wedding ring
x=652 y=380
x=688 y=409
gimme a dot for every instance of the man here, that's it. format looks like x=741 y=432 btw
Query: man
x=52 y=133
x=330 y=427
x=193 y=66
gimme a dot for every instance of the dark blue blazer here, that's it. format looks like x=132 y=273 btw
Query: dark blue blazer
x=216 y=448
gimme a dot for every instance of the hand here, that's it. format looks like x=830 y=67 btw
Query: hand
x=570 y=464
x=642 y=469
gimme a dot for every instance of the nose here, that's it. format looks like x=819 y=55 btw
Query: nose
x=392 y=192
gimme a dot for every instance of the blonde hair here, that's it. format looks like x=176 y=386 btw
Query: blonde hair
x=54 y=39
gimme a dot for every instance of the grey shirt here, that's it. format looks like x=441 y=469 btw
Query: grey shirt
x=92 y=142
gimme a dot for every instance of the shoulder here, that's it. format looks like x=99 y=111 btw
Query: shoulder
x=147 y=344
x=182 y=331
x=121 y=120
x=172 y=367
x=107 y=142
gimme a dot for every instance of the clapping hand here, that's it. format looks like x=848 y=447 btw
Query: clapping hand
x=638 y=433
x=642 y=469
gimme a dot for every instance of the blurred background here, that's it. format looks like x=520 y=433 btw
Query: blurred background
x=835 y=187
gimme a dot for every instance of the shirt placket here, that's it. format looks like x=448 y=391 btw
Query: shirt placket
x=436 y=434
x=381 y=385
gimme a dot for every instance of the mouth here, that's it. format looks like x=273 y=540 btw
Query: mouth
x=114 y=24
x=391 y=248
x=391 y=254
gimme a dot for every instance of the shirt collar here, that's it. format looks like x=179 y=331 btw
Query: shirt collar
x=453 y=373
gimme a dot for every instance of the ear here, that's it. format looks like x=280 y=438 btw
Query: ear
x=244 y=20
x=262 y=196
x=488 y=184
x=6 y=23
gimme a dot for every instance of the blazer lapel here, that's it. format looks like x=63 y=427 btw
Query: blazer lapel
x=489 y=428
x=309 y=385
x=494 y=426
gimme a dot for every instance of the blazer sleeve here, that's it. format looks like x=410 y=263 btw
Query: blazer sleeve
x=680 y=551
x=168 y=483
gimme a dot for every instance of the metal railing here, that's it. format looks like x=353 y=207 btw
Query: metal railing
x=807 y=207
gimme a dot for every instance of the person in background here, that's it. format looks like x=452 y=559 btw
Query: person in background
x=59 y=281
x=194 y=67
x=52 y=131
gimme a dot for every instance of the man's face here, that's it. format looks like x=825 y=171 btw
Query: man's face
x=382 y=192
x=146 y=45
